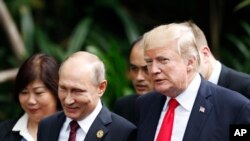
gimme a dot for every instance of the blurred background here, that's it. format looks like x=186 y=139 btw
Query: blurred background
x=107 y=28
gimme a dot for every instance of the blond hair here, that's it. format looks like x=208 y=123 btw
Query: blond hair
x=182 y=33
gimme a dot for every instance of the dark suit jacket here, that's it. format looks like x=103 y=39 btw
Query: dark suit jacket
x=235 y=80
x=222 y=108
x=6 y=133
x=125 y=107
x=115 y=128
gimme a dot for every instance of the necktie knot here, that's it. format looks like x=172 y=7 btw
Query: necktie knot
x=73 y=127
x=173 y=103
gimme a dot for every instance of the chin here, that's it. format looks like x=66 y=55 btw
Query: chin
x=74 y=117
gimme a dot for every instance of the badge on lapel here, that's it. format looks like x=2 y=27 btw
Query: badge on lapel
x=99 y=134
x=202 y=109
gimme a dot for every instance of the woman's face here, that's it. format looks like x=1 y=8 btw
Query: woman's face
x=37 y=101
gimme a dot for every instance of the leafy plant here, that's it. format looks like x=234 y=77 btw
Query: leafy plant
x=242 y=43
x=242 y=4
x=88 y=33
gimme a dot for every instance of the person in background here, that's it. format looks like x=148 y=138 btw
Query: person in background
x=84 y=118
x=185 y=106
x=138 y=72
x=36 y=91
x=217 y=73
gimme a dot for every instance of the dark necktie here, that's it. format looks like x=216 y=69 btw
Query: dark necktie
x=73 y=128
x=167 y=124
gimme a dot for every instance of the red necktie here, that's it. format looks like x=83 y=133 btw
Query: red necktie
x=167 y=124
x=73 y=128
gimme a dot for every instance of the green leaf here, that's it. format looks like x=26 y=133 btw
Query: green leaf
x=129 y=25
x=246 y=27
x=46 y=46
x=241 y=5
x=239 y=44
x=79 y=35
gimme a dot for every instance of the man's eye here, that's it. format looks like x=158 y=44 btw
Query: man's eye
x=145 y=69
x=148 y=62
x=133 y=68
x=164 y=60
x=78 y=92
x=61 y=89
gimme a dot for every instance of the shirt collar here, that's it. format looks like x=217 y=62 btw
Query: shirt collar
x=186 y=99
x=86 y=122
x=21 y=127
x=214 y=78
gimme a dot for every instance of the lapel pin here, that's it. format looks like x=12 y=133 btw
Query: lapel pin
x=99 y=134
x=202 y=109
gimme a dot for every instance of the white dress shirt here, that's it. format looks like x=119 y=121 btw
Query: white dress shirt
x=22 y=127
x=84 y=125
x=182 y=112
x=214 y=78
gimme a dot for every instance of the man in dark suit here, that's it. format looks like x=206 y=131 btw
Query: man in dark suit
x=217 y=73
x=199 y=110
x=84 y=117
x=138 y=74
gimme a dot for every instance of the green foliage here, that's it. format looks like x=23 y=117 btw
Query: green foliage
x=242 y=43
x=79 y=35
x=242 y=4
x=88 y=33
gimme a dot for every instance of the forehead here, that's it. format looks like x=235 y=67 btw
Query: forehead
x=137 y=56
x=75 y=71
x=137 y=50
x=160 y=52
x=75 y=77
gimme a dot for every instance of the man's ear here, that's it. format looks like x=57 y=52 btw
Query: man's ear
x=102 y=87
x=205 y=51
x=191 y=63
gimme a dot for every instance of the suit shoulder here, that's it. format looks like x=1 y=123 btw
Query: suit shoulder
x=53 y=118
x=226 y=94
x=9 y=123
x=6 y=126
x=235 y=75
x=127 y=98
x=149 y=96
x=121 y=122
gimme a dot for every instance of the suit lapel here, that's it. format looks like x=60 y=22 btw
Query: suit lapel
x=199 y=113
x=57 y=125
x=98 y=129
x=150 y=123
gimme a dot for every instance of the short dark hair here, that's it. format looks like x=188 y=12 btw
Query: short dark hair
x=132 y=45
x=38 y=66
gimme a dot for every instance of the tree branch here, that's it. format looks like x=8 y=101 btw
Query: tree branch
x=12 y=32
x=7 y=75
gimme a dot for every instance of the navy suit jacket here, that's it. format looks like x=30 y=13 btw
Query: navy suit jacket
x=222 y=108
x=235 y=80
x=125 y=107
x=6 y=133
x=115 y=127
